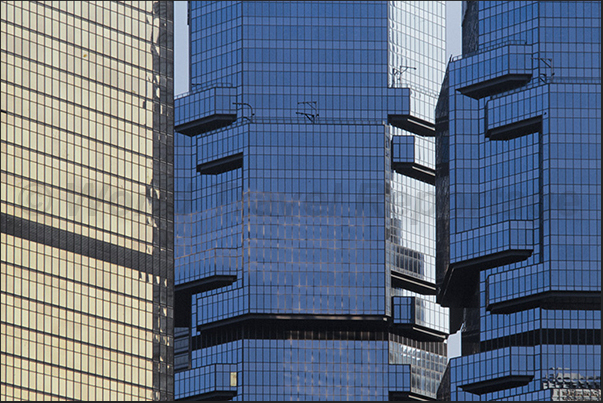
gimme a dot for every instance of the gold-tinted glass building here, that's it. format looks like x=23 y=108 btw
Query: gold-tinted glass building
x=87 y=200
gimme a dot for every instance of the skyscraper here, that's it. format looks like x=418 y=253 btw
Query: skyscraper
x=87 y=200
x=305 y=220
x=518 y=161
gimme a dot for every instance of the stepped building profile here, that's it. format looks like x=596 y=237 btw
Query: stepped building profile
x=305 y=216
x=518 y=194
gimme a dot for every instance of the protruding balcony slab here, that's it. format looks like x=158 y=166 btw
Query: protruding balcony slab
x=203 y=111
x=412 y=124
x=410 y=313
x=221 y=165
x=583 y=300
x=404 y=114
x=494 y=260
x=216 y=382
x=515 y=129
x=496 y=85
x=206 y=124
x=461 y=278
x=514 y=368
x=294 y=321
x=404 y=161
x=538 y=285
x=507 y=117
x=413 y=283
x=408 y=397
x=218 y=269
x=551 y=299
x=514 y=242
x=493 y=385
x=499 y=69
x=401 y=387
x=416 y=171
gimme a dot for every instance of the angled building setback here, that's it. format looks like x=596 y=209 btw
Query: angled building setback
x=305 y=216
x=518 y=190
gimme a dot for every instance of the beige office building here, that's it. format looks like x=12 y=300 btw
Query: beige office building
x=86 y=200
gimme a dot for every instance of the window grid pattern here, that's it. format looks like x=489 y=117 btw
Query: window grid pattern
x=85 y=163
x=546 y=184
x=313 y=186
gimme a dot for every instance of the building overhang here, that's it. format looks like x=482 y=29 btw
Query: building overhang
x=416 y=171
x=221 y=165
x=495 y=85
x=412 y=124
x=515 y=129
x=583 y=300
x=493 y=385
x=411 y=283
x=206 y=124
x=462 y=277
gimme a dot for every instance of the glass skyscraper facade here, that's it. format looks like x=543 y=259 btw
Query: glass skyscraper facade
x=518 y=189
x=87 y=200
x=305 y=202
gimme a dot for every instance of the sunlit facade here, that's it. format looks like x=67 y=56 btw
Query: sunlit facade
x=518 y=168
x=305 y=219
x=87 y=200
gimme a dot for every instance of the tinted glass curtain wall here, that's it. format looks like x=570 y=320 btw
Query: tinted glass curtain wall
x=305 y=220
x=518 y=161
x=87 y=254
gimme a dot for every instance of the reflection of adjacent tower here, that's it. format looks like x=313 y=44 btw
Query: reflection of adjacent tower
x=160 y=193
x=518 y=189
x=305 y=226
x=87 y=255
